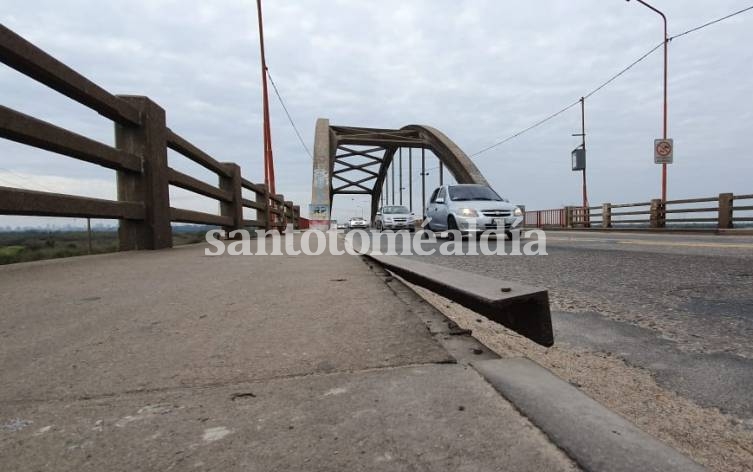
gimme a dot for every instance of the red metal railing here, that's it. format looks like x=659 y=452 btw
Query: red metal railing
x=543 y=218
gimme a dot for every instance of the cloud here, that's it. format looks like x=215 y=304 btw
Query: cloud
x=477 y=70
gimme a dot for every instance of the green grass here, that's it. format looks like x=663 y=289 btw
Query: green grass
x=11 y=251
x=180 y=239
x=34 y=245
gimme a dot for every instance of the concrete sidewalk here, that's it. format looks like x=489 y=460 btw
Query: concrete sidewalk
x=172 y=360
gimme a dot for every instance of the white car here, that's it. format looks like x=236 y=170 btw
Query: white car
x=472 y=209
x=358 y=223
x=395 y=217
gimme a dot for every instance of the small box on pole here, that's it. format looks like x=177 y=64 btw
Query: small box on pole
x=578 y=158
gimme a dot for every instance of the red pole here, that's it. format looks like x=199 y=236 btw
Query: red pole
x=269 y=168
x=664 y=132
x=664 y=165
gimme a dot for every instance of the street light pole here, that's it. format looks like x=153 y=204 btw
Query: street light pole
x=664 y=132
x=582 y=134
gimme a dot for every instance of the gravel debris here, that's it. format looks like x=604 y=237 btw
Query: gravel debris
x=720 y=442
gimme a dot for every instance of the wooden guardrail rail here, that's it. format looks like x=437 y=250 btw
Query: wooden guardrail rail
x=139 y=156
x=725 y=211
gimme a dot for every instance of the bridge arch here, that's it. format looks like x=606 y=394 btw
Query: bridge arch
x=355 y=161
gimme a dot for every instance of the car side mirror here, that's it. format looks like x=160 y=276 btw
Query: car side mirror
x=439 y=200
x=379 y=213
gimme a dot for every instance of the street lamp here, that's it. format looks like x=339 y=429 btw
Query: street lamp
x=664 y=133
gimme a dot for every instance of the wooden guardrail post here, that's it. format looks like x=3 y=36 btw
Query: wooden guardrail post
x=657 y=218
x=290 y=218
x=150 y=186
x=662 y=220
x=586 y=217
x=279 y=204
x=232 y=184
x=568 y=217
x=296 y=216
x=725 y=220
x=263 y=213
x=606 y=215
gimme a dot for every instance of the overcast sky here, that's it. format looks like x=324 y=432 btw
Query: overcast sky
x=477 y=70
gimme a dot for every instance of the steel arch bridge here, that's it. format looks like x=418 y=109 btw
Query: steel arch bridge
x=355 y=161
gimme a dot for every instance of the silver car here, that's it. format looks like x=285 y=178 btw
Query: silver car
x=395 y=217
x=357 y=223
x=472 y=209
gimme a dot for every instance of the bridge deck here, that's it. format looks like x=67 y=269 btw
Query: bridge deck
x=175 y=360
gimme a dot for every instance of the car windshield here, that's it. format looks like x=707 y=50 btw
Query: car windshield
x=395 y=210
x=473 y=192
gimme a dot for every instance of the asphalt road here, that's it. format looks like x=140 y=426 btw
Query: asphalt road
x=680 y=306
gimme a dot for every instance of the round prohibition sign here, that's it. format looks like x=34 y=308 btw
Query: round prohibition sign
x=664 y=149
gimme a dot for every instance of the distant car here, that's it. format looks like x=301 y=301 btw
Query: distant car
x=472 y=209
x=358 y=223
x=395 y=217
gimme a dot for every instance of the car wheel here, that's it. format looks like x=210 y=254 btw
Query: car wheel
x=478 y=235
x=452 y=226
x=508 y=234
x=379 y=227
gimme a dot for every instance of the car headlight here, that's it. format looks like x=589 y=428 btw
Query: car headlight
x=517 y=212
x=388 y=219
x=467 y=212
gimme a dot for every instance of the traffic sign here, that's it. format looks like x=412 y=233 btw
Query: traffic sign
x=663 y=151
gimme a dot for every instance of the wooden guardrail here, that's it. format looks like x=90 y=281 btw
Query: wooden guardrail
x=139 y=156
x=724 y=211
